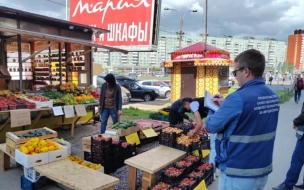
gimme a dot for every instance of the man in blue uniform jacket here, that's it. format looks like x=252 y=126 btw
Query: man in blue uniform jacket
x=245 y=124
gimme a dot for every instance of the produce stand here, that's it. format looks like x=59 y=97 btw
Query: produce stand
x=66 y=173
x=42 y=111
x=151 y=162
x=37 y=52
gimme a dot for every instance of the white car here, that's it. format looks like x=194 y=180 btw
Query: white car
x=164 y=89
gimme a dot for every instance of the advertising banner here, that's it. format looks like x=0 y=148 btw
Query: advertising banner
x=131 y=22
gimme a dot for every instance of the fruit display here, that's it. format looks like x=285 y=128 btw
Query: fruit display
x=172 y=171
x=80 y=161
x=6 y=104
x=38 y=98
x=69 y=99
x=171 y=130
x=205 y=166
x=123 y=125
x=36 y=146
x=54 y=94
x=68 y=87
x=161 y=186
x=35 y=133
x=186 y=182
x=183 y=163
x=94 y=93
x=195 y=174
x=186 y=140
x=84 y=97
x=192 y=158
x=6 y=93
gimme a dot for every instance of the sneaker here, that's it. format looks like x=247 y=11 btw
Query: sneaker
x=282 y=187
x=299 y=186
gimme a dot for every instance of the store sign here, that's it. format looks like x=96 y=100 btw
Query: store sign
x=188 y=56
x=131 y=22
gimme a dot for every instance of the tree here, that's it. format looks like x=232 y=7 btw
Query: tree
x=153 y=69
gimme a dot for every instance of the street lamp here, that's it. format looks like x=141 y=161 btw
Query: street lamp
x=180 y=33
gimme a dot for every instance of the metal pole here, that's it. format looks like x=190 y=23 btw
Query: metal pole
x=181 y=32
x=20 y=62
x=206 y=27
x=66 y=10
x=60 y=62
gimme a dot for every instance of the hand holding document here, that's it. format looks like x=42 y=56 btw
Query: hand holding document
x=209 y=103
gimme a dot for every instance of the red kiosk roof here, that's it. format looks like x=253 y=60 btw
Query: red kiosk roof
x=199 y=47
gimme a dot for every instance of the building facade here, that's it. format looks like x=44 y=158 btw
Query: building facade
x=274 y=51
x=295 y=49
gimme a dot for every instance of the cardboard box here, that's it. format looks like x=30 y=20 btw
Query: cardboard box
x=86 y=140
x=29 y=161
x=86 y=148
x=59 y=154
x=13 y=141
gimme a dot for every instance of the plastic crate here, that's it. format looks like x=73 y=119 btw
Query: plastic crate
x=3 y=108
x=31 y=174
x=12 y=107
x=28 y=185
x=87 y=156
x=205 y=145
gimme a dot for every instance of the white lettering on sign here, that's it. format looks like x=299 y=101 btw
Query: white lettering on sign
x=123 y=32
x=190 y=56
x=103 y=8
x=267 y=104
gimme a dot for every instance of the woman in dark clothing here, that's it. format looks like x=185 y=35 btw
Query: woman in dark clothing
x=110 y=101
x=177 y=111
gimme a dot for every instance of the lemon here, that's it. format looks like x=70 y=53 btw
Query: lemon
x=24 y=150
x=30 y=149
x=51 y=148
x=44 y=149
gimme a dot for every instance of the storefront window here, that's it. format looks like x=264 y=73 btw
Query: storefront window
x=223 y=76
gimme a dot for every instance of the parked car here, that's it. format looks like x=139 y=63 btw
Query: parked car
x=126 y=95
x=139 y=91
x=168 y=82
x=164 y=89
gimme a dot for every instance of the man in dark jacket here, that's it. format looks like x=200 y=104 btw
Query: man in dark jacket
x=297 y=160
x=177 y=111
x=110 y=101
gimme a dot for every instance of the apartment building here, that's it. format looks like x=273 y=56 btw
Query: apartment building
x=274 y=51
x=295 y=49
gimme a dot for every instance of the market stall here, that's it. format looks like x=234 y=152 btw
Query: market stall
x=197 y=68
x=46 y=54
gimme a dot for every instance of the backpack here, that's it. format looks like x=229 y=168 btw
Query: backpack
x=300 y=84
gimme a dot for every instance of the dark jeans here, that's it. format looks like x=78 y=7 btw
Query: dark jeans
x=174 y=117
x=297 y=95
x=104 y=118
x=297 y=161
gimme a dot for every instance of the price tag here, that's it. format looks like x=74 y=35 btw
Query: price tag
x=149 y=133
x=201 y=186
x=204 y=153
x=80 y=110
x=69 y=111
x=58 y=111
x=20 y=117
x=133 y=138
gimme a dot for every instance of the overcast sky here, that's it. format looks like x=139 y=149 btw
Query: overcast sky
x=239 y=18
